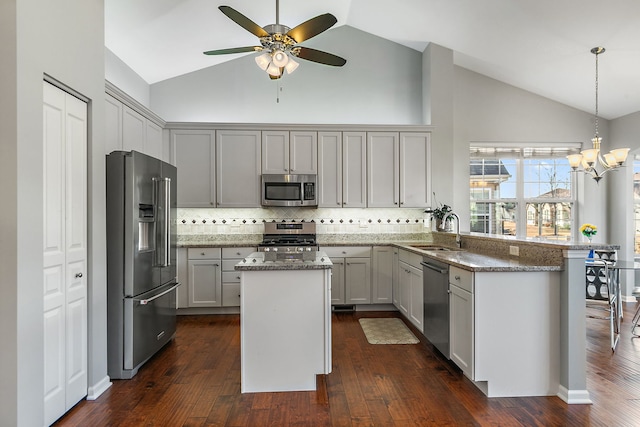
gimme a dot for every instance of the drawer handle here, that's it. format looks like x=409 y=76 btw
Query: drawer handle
x=457 y=277
x=237 y=253
x=202 y=253
x=238 y=277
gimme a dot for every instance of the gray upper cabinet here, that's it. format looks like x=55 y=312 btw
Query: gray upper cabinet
x=238 y=168
x=285 y=152
x=342 y=169
x=193 y=153
x=354 y=170
x=128 y=129
x=398 y=166
x=415 y=169
x=383 y=162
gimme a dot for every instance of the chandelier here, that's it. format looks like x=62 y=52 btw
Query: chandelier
x=592 y=160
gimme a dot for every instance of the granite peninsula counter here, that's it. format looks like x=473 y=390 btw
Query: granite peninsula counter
x=285 y=323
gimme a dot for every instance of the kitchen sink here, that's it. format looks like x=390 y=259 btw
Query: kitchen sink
x=434 y=248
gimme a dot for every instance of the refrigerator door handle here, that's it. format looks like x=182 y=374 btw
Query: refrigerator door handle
x=164 y=199
x=148 y=300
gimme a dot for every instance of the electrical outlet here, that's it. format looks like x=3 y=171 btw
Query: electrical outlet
x=363 y=223
x=514 y=250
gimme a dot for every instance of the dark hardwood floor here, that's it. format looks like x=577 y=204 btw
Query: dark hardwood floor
x=195 y=381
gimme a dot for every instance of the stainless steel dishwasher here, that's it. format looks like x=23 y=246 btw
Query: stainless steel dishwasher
x=436 y=303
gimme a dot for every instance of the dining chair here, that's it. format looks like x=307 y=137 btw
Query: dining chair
x=601 y=296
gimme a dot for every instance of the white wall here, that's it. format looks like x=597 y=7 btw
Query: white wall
x=65 y=40
x=122 y=76
x=381 y=84
x=488 y=110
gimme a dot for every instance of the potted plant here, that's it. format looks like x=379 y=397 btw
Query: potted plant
x=439 y=213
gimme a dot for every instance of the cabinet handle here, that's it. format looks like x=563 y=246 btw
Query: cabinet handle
x=395 y=203
x=237 y=253
x=338 y=203
x=78 y=275
x=457 y=277
x=238 y=277
x=344 y=252
x=216 y=265
x=202 y=253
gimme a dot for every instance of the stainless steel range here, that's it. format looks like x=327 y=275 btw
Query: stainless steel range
x=289 y=241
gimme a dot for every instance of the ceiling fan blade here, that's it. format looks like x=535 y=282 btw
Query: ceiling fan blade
x=320 y=56
x=312 y=27
x=243 y=21
x=233 y=50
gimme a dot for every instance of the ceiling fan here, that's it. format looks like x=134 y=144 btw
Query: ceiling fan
x=279 y=43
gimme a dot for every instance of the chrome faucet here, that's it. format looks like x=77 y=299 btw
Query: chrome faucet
x=455 y=215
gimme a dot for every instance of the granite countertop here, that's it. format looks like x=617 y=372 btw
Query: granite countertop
x=479 y=262
x=472 y=260
x=256 y=262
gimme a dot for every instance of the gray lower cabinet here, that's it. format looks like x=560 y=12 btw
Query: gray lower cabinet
x=231 y=277
x=382 y=275
x=208 y=277
x=351 y=274
x=204 y=267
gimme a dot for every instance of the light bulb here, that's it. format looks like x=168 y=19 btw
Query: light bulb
x=574 y=160
x=291 y=66
x=274 y=70
x=263 y=61
x=279 y=58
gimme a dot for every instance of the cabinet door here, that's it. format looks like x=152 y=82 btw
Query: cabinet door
x=404 y=287
x=382 y=169
x=337 y=281
x=303 y=153
x=416 y=301
x=357 y=279
x=205 y=283
x=354 y=169
x=382 y=284
x=415 y=170
x=193 y=153
x=153 y=140
x=329 y=169
x=461 y=329
x=238 y=169
x=395 y=275
x=133 y=130
x=113 y=124
x=275 y=152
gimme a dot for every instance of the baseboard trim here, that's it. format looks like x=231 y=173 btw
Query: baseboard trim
x=574 y=397
x=94 y=391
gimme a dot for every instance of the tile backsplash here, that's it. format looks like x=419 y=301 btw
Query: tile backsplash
x=328 y=221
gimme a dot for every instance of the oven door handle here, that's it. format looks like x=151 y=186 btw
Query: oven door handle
x=148 y=300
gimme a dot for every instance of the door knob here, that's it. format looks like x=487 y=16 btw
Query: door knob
x=78 y=275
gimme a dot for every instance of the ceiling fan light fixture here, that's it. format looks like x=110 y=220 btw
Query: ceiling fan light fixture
x=291 y=66
x=263 y=61
x=279 y=58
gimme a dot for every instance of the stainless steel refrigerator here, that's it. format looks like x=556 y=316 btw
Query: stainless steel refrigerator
x=141 y=259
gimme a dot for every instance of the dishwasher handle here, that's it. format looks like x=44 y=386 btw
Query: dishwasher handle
x=435 y=268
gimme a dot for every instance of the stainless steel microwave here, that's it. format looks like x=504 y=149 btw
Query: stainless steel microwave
x=289 y=190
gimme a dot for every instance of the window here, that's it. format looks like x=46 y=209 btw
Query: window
x=522 y=191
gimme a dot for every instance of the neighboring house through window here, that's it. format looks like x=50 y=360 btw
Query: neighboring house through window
x=525 y=191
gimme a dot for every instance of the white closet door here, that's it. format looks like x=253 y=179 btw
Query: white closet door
x=64 y=250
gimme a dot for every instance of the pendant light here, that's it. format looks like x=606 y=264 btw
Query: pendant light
x=592 y=160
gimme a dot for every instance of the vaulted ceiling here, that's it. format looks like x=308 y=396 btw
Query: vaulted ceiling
x=542 y=46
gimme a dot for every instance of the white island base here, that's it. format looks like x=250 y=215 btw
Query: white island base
x=285 y=329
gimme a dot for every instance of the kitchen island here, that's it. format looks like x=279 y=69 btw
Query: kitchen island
x=285 y=322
